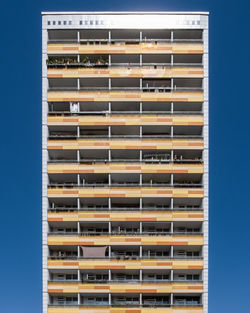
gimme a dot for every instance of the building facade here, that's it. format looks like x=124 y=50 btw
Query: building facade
x=125 y=162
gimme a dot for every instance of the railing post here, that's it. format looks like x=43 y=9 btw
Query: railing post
x=171 y=299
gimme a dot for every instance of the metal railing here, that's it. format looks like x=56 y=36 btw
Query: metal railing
x=124 y=184
x=107 y=281
x=125 y=258
x=125 y=40
x=136 y=89
x=125 y=233
x=155 y=305
x=162 y=208
x=123 y=65
x=168 y=136
x=93 y=161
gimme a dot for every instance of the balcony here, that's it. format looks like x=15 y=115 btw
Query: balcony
x=125 y=180
x=118 y=108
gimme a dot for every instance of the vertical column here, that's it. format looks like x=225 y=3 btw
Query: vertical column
x=78 y=228
x=78 y=180
x=109 y=59
x=78 y=204
x=172 y=252
x=78 y=156
x=109 y=176
x=172 y=60
x=78 y=84
x=140 y=227
x=109 y=36
x=140 y=203
x=172 y=179
x=78 y=251
x=110 y=230
x=140 y=179
x=109 y=104
x=140 y=252
x=140 y=275
x=110 y=252
x=172 y=227
x=140 y=107
x=109 y=203
x=172 y=275
x=172 y=35
x=171 y=299
x=171 y=203
x=140 y=155
x=109 y=275
x=78 y=131
x=110 y=299
x=140 y=299
x=172 y=107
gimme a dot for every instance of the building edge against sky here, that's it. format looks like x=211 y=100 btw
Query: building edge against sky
x=73 y=80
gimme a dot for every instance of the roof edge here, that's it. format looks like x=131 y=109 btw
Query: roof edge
x=124 y=12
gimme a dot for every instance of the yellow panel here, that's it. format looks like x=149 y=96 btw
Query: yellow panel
x=180 y=96
x=125 y=167
x=125 y=264
x=185 y=120
x=152 y=144
x=139 y=72
x=120 y=48
x=135 y=192
x=182 y=309
x=126 y=240
x=124 y=216
x=56 y=287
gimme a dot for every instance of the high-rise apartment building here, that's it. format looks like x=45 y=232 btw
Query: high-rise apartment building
x=125 y=162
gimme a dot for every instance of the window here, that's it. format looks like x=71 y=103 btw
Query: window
x=70 y=22
x=59 y=22
x=64 y=22
x=80 y=22
x=48 y=23
x=54 y=22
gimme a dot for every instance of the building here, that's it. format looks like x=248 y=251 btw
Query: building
x=125 y=162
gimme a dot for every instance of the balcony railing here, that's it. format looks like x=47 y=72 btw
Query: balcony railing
x=66 y=113
x=135 y=89
x=126 y=184
x=131 y=41
x=125 y=233
x=51 y=64
x=125 y=305
x=120 y=281
x=93 y=161
x=105 y=208
x=167 y=136
x=121 y=257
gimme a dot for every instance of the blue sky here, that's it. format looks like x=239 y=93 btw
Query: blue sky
x=20 y=157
